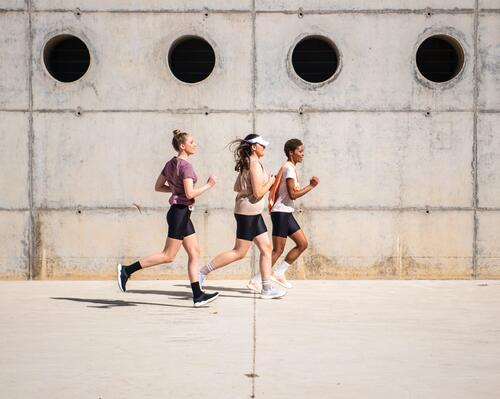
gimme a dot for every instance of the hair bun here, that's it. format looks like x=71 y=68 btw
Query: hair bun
x=176 y=132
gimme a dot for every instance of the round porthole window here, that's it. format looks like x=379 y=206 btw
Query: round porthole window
x=440 y=58
x=315 y=59
x=191 y=59
x=66 y=58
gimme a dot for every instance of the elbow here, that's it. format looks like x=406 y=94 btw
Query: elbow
x=189 y=196
x=258 y=195
x=157 y=189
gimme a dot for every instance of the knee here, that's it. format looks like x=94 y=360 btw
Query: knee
x=167 y=258
x=266 y=250
x=278 y=250
x=302 y=246
x=240 y=254
x=195 y=253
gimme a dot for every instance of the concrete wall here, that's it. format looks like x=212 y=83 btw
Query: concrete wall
x=410 y=171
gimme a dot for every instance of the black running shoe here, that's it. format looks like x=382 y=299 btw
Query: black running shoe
x=122 y=277
x=204 y=298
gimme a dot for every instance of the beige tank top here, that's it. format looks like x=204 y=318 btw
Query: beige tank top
x=246 y=203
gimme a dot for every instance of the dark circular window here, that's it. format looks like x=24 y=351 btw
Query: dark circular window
x=440 y=58
x=191 y=59
x=315 y=59
x=66 y=58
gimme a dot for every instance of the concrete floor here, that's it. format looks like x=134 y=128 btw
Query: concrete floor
x=325 y=339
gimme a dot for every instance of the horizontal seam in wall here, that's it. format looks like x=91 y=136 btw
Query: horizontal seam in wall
x=249 y=12
x=298 y=209
x=436 y=11
x=236 y=111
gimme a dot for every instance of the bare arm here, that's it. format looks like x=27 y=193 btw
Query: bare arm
x=294 y=193
x=259 y=189
x=161 y=185
x=192 y=192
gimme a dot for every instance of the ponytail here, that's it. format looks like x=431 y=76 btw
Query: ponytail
x=242 y=150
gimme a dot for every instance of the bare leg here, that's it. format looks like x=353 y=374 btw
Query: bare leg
x=264 y=244
x=168 y=254
x=300 y=246
x=238 y=252
x=278 y=248
x=190 y=244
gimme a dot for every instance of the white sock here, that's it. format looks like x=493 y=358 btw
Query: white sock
x=207 y=269
x=281 y=268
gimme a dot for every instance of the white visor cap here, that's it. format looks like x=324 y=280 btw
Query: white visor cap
x=258 y=140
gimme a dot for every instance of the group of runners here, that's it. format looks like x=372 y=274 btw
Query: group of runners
x=252 y=184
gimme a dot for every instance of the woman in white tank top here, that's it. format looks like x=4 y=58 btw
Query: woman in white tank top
x=285 y=190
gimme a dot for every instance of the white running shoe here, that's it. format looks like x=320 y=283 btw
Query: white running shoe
x=281 y=280
x=254 y=286
x=272 y=293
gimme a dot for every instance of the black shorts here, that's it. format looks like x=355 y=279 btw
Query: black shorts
x=249 y=226
x=179 y=222
x=284 y=224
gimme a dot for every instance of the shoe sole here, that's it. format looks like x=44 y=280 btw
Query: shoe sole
x=272 y=296
x=198 y=304
x=253 y=289
x=118 y=273
x=287 y=285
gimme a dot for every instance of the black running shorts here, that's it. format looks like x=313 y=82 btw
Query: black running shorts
x=179 y=222
x=249 y=226
x=284 y=224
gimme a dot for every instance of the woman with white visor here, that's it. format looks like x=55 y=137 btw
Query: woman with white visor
x=251 y=185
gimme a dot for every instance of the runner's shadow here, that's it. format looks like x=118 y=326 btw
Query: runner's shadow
x=178 y=294
x=108 y=303
x=217 y=288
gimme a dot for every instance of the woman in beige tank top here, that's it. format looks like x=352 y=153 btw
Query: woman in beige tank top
x=251 y=185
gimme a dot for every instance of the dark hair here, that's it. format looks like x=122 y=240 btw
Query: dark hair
x=292 y=145
x=242 y=150
x=179 y=138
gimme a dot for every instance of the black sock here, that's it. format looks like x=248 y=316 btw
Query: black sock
x=196 y=289
x=133 y=268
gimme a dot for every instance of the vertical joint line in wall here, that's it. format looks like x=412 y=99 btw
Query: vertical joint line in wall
x=254 y=64
x=253 y=257
x=31 y=224
x=253 y=373
x=474 y=145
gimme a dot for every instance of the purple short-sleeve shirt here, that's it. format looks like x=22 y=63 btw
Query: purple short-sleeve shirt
x=176 y=170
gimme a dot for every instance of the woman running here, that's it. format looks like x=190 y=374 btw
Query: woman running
x=285 y=190
x=251 y=185
x=177 y=177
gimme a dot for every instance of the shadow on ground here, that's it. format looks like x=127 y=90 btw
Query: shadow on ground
x=109 y=303
x=223 y=289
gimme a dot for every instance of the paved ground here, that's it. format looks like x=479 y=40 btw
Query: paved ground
x=325 y=339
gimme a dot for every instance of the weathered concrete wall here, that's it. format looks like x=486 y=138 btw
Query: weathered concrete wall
x=410 y=181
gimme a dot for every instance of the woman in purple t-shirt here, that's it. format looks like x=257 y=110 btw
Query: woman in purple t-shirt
x=177 y=177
